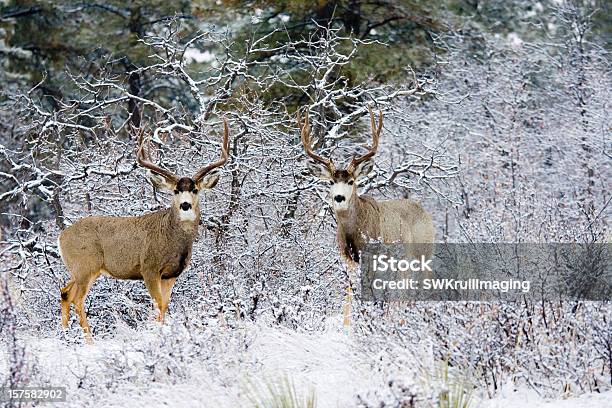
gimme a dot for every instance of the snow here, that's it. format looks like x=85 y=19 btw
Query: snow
x=194 y=55
x=326 y=362
x=329 y=363
x=525 y=397
x=514 y=40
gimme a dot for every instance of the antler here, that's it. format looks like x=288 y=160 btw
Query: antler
x=375 y=136
x=305 y=132
x=140 y=157
x=224 y=155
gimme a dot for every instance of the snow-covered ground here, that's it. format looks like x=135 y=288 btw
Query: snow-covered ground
x=327 y=363
x=208 y=365
x=511 y=397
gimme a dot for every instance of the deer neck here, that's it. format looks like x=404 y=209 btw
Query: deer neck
x=359 y=221
x=189 y=228
x=349 y=220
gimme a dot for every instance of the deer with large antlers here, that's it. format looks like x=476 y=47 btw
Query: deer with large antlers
x=154 y=247
x=361 y=218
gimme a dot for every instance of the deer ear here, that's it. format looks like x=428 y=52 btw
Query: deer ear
x=209 y=181
x=363 y=169
x=160 y=182
x=319 y=170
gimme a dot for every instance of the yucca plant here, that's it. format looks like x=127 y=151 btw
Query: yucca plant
x=278 y=394
x=453 y=389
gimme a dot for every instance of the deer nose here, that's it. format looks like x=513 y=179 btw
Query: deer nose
x=339 y=198
x=185 y=206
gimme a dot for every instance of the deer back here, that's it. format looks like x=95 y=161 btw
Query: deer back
x=389 y=221
x=405 y=221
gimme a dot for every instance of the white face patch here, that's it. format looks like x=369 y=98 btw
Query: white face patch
x=189 y=214
x=338 y=190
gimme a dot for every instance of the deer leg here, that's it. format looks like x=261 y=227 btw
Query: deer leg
x=154 y=287
x=79 y=306
x=347 y=309
x=67 y=296
x=166 y=289
x=348 y=299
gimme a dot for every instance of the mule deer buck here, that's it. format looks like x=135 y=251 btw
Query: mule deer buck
x=361 y=218
x=154 y=247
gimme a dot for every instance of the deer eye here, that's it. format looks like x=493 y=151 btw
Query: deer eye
x=332 y=182
x=176 y=191
x=350 y=183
